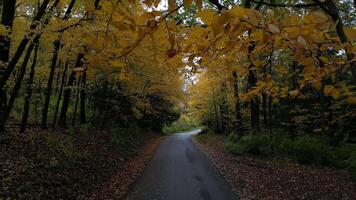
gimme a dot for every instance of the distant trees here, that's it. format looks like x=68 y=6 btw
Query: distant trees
x=97 y=72
x=295 y=69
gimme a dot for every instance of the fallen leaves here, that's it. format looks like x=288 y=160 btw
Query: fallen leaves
x=254 y=178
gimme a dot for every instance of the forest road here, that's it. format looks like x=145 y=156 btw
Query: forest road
x=180 y=171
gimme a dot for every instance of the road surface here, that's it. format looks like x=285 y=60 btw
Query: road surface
x=180 y=171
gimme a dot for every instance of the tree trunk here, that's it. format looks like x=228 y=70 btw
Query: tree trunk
x=322 y=109
x=64 y=75
x=22 y=46
x=5 y=115
x=57 y=46
x=58 y=77
x=7 y=19
x=270 y=119
x=251 y=82
x=224 y=108
x=48 y=91
x=264 y=97
x=66 y=99
x=83 y=98
x=29 y=92
x=76 y=101
x=237 y=102
x=330 y=8
x=67 y=92
x=254 y=102
x=8 y=8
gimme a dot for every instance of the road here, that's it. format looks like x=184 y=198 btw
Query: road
x=180 y=171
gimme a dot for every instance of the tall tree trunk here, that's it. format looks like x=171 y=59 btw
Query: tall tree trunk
x=7 y=19
x=224 y=108
x=322 y=95
x=28 y=97
x=22 y=46
x=57 y=46
x=330 y=8
x=64 y=75
x=48 y=90
x=66 y=99
x=270 y=120
x=237 y=102
x=251 y=83
x=67 y=92
x=4 y=116
x=83 y=98
x=58 y=77
x=1 y=8
x=8 y=8
x=322 y=109
x=76 y=101
x=264 y=97
x=254 y=102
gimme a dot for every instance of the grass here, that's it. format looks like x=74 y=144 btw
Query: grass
x=180 y=126
x=304 y=149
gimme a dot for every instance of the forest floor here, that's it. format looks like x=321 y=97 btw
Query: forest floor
x=255 y=178
x=53 y=165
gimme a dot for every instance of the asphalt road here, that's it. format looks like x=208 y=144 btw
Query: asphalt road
x=180 y=171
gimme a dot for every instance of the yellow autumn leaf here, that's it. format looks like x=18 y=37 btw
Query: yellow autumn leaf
x=281 y=69
x=118 y=63
x=270 y=13
x=172 y=5
x=301 y=42
x=187 y=3
x=350 y=33
x=332 y=91
x=320 y=16
x=328 y=89
x=206 y=16
x=257 y=35
x=199 y=3
x=144 y=18
x=3 y=30
x=324 y=59
x=79 y=69
x=218 y=23
x=272 y=28
x=335 y=93
x=294 y=93
x=317 y=85
x=351 y=100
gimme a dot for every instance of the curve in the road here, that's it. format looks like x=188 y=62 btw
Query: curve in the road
x=180 y=171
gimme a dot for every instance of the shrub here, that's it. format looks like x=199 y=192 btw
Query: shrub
x=309 y=150
x=251 y=144
x=70 y=131
x=124 y=138
x=351 y=166
x=304 y=149
x=84 y=129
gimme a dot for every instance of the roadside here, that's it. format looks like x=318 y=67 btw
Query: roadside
x=253 y=178
x=118 y=185
x=72 y=165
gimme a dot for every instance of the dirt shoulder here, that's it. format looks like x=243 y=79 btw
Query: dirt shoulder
x=126 y=174
x=253 y=178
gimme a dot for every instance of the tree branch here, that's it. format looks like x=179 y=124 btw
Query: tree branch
x=308 y=5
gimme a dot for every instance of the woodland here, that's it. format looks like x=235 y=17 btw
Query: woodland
x=85 y=82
